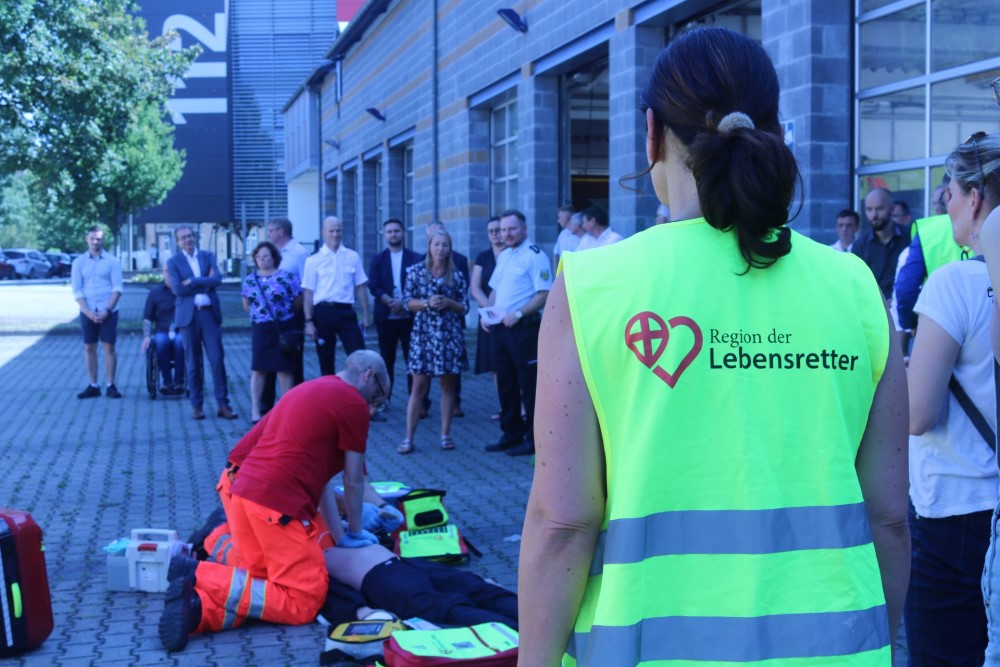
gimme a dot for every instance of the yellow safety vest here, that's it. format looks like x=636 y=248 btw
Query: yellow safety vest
x=731 y=409
x=937 y=243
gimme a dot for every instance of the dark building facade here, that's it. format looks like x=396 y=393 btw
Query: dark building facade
x=440 y=109
x=227 y=112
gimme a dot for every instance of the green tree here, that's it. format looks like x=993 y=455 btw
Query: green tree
x=140 y=169
x=19 y=211
x=82 y=89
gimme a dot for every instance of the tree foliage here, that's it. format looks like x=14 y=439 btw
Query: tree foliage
x=82 y=95
x=19 y=211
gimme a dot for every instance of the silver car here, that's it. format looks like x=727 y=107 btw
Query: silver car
x=28 y=263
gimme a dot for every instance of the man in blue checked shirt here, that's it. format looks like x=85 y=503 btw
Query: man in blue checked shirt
x=97 y=287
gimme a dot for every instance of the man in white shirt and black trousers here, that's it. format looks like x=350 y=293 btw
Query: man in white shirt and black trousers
x=333 y=280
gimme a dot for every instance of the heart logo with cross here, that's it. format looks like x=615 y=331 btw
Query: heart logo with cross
x=647 y=335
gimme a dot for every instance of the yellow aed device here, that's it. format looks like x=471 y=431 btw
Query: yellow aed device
x=362 y=632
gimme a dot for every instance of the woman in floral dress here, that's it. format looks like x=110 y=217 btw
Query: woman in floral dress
x=437 y=292
x=271 y=296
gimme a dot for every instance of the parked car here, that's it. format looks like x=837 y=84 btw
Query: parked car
x=28 y=263
x=61 y=264
x=6 y=268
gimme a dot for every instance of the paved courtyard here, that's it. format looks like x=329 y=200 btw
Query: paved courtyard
x=90 y=471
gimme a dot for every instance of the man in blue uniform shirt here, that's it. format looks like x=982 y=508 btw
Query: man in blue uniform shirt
x=520 y=284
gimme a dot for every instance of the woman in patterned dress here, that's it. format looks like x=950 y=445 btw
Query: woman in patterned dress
x=271 y=296
x=437 y=292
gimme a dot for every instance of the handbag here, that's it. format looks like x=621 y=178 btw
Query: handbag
x=289 y=342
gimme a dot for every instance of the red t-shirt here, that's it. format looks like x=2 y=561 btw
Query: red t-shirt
x=287 y=458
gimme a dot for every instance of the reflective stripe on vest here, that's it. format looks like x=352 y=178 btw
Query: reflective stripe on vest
x=731 y=405
x=737 y=639
x=732 y=532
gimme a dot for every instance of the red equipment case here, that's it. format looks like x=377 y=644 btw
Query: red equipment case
x=25 y=605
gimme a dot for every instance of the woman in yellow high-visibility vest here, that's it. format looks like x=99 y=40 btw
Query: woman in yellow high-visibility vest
x=721 y=468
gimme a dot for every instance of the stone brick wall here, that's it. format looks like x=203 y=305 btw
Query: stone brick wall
x=480 y=60
x=810 y=42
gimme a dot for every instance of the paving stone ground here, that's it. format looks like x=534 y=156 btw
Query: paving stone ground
x=90 y=471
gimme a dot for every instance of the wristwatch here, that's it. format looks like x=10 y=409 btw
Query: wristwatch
x=518 y=314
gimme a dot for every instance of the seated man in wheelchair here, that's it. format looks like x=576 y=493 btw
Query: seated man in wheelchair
x=158 y=328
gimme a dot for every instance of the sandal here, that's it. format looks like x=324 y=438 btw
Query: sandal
x=405 y=447
x=447 y=442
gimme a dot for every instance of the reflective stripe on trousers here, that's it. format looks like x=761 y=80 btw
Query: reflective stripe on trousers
x=237 y=589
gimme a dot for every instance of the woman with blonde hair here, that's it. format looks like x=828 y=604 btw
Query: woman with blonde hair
x=437 y=293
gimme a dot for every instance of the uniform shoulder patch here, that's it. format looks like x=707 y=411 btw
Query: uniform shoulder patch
x=535 y=249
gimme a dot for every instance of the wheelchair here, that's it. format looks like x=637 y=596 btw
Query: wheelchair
x=153 y=375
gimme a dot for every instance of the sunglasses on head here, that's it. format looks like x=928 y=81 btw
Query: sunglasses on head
x=973 y=138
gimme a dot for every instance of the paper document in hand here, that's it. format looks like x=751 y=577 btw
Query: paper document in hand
x=490 y=315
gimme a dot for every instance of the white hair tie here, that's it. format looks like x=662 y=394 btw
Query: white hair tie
x=733 y=121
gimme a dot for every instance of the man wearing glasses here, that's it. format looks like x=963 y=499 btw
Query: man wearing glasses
x=281 y=488
x=901 y=214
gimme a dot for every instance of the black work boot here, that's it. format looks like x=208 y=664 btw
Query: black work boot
x=181 y=566
x=181 y=614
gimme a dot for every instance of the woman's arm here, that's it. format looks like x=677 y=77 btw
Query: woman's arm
x=931 y=364
x=989 y=243
x=414 y=294
x=566 y=505
x=477 y=293
x=883 y=471
x=460 y=304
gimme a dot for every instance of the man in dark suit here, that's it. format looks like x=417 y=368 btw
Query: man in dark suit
x=386 y=279
x=194 y=275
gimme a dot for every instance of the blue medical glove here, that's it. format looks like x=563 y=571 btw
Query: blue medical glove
x=356 y=540
x=370 y=519
x=390 y=518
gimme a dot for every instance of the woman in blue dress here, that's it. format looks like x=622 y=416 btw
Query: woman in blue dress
x=437 y=292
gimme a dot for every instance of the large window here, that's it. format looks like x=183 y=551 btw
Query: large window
x=503 y=157
x=586 y=92
x=923 y=74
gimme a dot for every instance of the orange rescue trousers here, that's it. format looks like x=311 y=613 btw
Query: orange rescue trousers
x=219 y=543
x=275 y=572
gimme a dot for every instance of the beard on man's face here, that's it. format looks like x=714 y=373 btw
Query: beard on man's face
x=879 y=223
